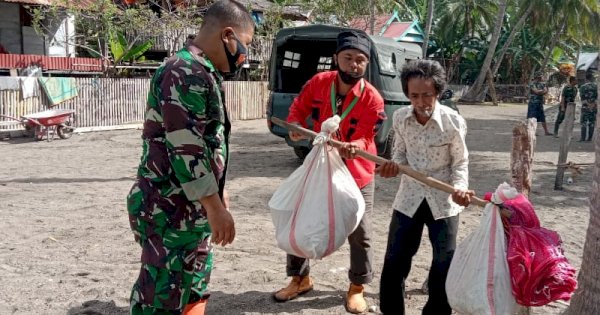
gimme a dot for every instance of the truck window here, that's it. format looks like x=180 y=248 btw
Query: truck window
x=298 y=60
x=324 y=64
x=291 y=60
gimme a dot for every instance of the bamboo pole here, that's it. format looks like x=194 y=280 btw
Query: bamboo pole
x=404 y=169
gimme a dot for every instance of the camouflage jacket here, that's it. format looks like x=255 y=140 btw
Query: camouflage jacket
x=589 y=93
x=569 y=94
x=186 y=128
x=534 y=97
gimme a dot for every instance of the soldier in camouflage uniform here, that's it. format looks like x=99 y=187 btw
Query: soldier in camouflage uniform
x=178 y=204
x=535 y=108
x=589 y=108
x=568 y=96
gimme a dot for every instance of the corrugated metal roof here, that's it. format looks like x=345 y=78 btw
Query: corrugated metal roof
x=397 y=29
x=587 y=60
x=14 y=61
x=40 y=2
x=362 y=23
x=80 y=3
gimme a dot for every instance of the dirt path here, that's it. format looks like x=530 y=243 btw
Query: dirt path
x=66 y=248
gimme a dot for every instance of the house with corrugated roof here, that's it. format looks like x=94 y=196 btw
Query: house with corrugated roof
x=391 y=26
x=21 y=46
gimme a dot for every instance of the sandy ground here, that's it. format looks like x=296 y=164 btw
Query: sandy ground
x=66 y=248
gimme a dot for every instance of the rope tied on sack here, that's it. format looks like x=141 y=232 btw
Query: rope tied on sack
x=328 y=127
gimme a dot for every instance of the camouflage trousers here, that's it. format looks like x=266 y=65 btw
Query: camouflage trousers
x=588 y=117
x=176 y=259
x=588 y=122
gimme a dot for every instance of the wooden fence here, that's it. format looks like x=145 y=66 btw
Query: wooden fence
x=518 y=93
x=111 y=102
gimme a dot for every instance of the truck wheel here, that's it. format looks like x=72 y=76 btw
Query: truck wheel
x=301 y=152
x=389 y=143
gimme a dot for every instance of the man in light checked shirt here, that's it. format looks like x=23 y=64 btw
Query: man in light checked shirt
x=429 y=138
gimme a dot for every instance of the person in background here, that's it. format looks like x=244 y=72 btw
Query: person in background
x=567 y=98
x=589 y=107
x=535 y=107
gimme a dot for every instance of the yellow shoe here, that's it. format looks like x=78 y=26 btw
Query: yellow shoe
x=355 y=301
x=299 y=285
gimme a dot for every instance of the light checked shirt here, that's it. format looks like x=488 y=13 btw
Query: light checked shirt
x=438 y=150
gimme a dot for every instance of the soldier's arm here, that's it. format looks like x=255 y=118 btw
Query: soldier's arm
x=183 y=104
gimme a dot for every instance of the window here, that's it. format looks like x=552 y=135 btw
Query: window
x=324 y=64
x=291 y=60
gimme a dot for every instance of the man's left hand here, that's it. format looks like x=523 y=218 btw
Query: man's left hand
x=348 y=150
x=462 y=197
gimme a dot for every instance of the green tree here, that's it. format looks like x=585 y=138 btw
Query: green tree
x=513 y=33
x=459 y=23
x=98 y=22
x=476 y=92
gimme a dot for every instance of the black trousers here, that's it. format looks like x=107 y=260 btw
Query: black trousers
x=404 y=239
x=559 y=119
x=361 y=253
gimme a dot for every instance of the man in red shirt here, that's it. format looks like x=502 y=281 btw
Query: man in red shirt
x=346 y=93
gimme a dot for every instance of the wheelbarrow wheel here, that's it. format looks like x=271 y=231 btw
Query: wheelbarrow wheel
x=65 y=131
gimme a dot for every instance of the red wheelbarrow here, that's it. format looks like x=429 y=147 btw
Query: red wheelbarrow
x=48 y=123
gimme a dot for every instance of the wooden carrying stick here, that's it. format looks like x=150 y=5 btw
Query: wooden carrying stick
x=429 y=181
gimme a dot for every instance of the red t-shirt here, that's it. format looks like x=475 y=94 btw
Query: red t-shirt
x=359 y=126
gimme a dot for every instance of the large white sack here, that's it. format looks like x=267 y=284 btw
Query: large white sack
x=318 y=206
x=478 y=281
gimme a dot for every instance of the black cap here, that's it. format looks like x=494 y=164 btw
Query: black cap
x=353 y=40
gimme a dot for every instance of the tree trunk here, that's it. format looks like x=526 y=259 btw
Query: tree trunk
x=492 y=88
x=475 y=93
x=553 y=44
x=516 y=29
x=521 y=158
x=587 y=297
x=430 y=7
x=372 y=17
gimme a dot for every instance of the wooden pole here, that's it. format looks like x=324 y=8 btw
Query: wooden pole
x=404 y=169
x=521 y=158
x=566 y=135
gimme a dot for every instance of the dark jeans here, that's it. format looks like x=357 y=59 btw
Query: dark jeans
x=403 y=242
x=361 y=254
x=560 y=118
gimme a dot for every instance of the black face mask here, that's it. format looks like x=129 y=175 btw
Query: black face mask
x=235 y=60
x=349 y=78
